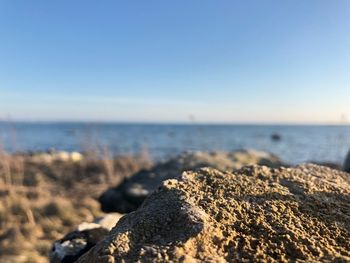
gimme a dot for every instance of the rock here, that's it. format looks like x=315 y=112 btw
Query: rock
x=130 y=194
x=76 y=157
x=276 y=137
x=333 y=165
x=52 y=156
x=87 y=226
x=256 y=214
x=73 y=245
x=108 y=221
x=346 y=167
x=115 y=200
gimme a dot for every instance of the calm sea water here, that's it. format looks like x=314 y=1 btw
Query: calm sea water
x=298 y=143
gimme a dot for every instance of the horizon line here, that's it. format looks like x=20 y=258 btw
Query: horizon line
x=252 y=123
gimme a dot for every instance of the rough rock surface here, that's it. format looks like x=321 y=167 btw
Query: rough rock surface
x=333 y=165
x=76 y=243
x=130 y=194
x=254 y=214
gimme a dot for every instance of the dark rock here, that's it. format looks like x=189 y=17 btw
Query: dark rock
x=346 y=166
x=75 y=244
x=130 y=194
x=115 y=200
x=276 y=137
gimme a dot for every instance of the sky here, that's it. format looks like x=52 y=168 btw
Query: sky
x=259 y=61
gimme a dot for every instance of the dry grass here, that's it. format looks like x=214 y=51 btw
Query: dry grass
x=40 y=201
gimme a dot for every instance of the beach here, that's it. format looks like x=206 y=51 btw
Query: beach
x=51 y=201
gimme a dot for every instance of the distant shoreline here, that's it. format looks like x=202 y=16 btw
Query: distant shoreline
x=136 y=123
x=297 y=143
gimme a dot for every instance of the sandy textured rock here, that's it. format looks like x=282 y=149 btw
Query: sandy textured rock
x=333 y=165
x=253 y=214
x=129 y=195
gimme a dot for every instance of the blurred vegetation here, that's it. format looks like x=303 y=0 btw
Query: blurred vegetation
x=44 y=196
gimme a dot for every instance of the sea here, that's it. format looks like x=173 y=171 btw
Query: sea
x=296 y=144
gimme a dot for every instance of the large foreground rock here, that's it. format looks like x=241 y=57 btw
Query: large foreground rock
x=254 y=214
x=129 y=195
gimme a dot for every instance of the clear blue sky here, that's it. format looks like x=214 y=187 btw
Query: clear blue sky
x=163 y=61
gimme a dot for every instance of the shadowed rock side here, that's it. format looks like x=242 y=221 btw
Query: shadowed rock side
x=253 y=214
x=346 y=166
x=130 y=194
